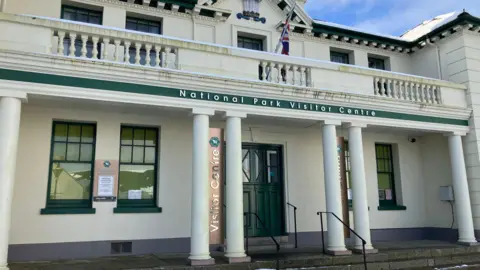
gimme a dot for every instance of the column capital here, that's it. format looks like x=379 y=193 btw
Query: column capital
x=332 y=122
x=455 y=133
x=235 y=114
x=356 y=124
x=14 y=94
x=204 y=111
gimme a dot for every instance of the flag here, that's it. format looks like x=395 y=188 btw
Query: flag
x=285 y=38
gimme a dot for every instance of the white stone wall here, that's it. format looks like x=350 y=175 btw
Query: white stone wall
x=303 y=177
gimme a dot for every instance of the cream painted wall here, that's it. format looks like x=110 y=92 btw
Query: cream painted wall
x=47 y=8
x=114 y=16
x=303 y=178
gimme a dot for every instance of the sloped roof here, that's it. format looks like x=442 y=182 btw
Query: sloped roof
x=429 y=25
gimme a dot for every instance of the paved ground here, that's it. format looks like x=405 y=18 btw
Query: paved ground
x=159 y=261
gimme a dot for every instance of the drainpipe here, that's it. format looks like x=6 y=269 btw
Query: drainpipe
x=3 y=4
x=439 y=65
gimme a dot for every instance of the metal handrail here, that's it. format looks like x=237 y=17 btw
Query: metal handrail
x=268 y=231
x=295 y=222
x=348 y=227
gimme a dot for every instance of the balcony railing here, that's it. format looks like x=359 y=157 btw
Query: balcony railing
x=98 y=43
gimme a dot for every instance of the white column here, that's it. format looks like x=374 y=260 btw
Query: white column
x=234 y=189
x=360 y=202
x=200 y=236
x=10 y=108
x=336 y=238
x=463 y=208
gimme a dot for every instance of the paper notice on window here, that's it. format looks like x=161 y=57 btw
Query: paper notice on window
x=105 y=185
x=381 y=194
x=388 y=194
x=134 y=194
x=349 y=194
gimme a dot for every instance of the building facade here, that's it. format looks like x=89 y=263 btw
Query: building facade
x=143 y=126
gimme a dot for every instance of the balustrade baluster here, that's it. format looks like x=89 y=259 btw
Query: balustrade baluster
x=286 y=77
x=389 y=88
x=270 y=68
x=421 y=91
x=167 y=57
x=106 y=43
x=84 y=45
x=148 y=47
x=407 y=91
x=376 y=90
x=401 y=89
x=138 y=46
x=117 y=49
x=95 y=47
x=61 y=38
x=294 y=75
x=438 y=90
x=414 y=93
x=428 y=97
x=279 y=74
x=127 y=52
x=73 y=37
x=264 y=70
x=158 y=50
x=302 y=76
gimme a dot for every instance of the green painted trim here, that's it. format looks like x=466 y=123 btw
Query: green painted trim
x=50 y=79
x=67 y=211
x=127 y=210
x=392 y=208
x=188 y=4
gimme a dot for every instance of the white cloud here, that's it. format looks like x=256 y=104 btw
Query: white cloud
x=395 y=18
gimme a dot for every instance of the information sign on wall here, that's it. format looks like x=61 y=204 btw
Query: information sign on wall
x=216 y=185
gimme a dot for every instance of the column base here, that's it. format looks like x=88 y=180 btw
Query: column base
x=245 y=259
x=367 y=250
x=339 y=252
x=468 y=244
x=195 y=262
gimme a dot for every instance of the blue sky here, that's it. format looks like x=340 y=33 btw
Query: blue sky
x=392 y=17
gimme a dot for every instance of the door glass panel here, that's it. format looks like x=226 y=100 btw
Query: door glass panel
x=257 y=167
x=246 y=165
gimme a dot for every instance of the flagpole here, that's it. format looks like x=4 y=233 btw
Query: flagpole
x=289 y=17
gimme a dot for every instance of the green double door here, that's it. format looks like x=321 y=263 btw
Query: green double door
x=263 y=189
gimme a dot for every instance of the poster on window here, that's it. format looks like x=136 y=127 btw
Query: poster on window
x=105 y=180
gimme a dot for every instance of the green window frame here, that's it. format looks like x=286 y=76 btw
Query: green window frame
x=339 y=57
x=376 y=63
x=144 y=25
x=71 y=168
x=138 y=170
x=385 y=175
x=77 y=14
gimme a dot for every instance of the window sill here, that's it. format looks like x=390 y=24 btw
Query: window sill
x=66 y=211
x=128 y=210
x=392 y=208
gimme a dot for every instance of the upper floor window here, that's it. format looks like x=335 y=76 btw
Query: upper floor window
x=339 y=57
x=81 y=15
x=143 y=25
x=250 y=43
x=376 y=63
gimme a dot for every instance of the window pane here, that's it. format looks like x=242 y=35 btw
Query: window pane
x=126 y=154
x=127 y=136
x=384 y=181
x=59 y=151
x=68 y=16
x=70 y=181
x=149 y=154
x=60 y=132
x=379 y=150
x=272 y=158
x=82 y=18
x=139 y=136
x=137 y=154
x=131 y=25
x=73 y=152
x=246 y=165
x=74 y=133
x=273 y=175
x=86 y=152
x=136 y=178
x=87 y=134
x=94 y=20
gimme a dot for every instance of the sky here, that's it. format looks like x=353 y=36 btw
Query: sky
x=392 y=17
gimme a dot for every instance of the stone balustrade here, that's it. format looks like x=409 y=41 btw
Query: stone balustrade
x=73 y=40
x=407 y=90
x=284 y=73
x=128 y=51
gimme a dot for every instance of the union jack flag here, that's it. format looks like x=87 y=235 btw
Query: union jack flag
x=285 y=37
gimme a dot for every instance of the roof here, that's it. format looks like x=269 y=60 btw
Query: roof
x=427 y=26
